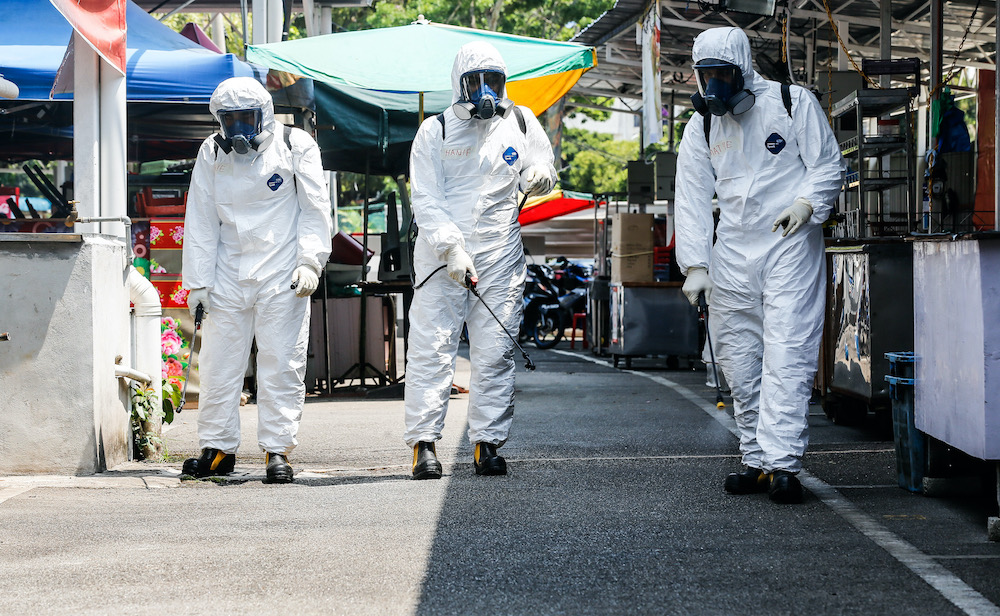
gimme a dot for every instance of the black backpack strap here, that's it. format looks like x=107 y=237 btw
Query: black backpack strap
x=786 y=97
x=708 y=125
x=520 y=120
x=440 y=118
x=288 y=143
x=221 y=143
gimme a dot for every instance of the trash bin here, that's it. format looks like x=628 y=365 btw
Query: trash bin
x=911 y=444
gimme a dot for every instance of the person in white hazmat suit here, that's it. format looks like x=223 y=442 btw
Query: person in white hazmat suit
x=465 y=173
x=256 y=239
x=776 y=172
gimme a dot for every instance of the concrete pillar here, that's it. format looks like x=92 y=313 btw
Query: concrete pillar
x=326 y=21
x=259 y=33
x=218 y=27
x=275 y=20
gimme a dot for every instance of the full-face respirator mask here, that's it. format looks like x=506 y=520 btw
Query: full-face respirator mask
x=242 y=131
x=481 y=96
x=720 y=88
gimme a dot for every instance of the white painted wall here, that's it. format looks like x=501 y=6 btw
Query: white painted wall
x=66 y=307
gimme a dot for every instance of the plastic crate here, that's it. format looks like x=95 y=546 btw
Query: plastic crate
x=150 y=202
x=911 y=444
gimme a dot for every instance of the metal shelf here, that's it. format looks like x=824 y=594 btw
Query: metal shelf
x=875 y=184
x=874 y=103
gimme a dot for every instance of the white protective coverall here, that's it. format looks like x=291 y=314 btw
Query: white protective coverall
x=768 y=298
x=464 y=193
x=250 y=220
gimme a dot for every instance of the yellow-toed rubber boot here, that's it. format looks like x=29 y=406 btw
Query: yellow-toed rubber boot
x=487 y=461
x=278 y=469
x=211 y=462
x=425 y=462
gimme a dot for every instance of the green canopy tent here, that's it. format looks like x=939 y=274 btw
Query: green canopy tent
x=372 y=86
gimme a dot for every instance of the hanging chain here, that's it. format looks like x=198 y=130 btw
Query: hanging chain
x=833 y=25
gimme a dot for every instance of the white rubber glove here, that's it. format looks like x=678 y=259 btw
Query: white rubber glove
x=697 y=283
x=794 y=216
x=535 y=180
x=304 y=280
x=198 y=296
x=459 y=262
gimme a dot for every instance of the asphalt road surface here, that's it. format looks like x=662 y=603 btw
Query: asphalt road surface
x=613 y=505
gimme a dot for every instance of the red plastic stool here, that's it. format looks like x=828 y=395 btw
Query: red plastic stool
x=582 y=316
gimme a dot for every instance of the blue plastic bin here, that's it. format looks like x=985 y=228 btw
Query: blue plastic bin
x=911 y=444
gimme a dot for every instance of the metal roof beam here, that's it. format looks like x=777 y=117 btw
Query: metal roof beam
x=914 y=26
x=589 y=91
x=637 y=112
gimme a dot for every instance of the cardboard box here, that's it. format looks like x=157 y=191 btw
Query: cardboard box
x=632 y=248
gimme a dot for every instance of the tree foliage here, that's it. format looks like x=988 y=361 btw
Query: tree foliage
x=595 y=162
x=558 y=20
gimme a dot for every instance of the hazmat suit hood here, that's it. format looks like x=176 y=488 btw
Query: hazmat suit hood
x=244 y=93
x=475 y=56
x=733 y=46
x=479 y=56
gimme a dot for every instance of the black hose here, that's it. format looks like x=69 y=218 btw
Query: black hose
x=703 y=310
x=471 y=284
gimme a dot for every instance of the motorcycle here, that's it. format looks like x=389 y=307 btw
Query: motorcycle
x=542 y=319
x=551 y=297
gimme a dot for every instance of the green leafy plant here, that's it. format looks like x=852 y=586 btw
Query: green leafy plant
x=146 y=440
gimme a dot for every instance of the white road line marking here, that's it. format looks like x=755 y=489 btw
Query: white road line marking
x=963 y=596
x=9 y=493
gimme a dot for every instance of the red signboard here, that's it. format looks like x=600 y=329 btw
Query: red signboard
x=101 y=23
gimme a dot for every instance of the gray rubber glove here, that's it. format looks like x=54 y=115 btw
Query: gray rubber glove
x=198 y=296
x=459 y=262
x=535 y=180
x=304 y=280
x=794 y=217
x=697 y=282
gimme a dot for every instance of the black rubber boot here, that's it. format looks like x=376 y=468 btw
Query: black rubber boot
x=750 y=481
x=425 y=462
x=278 y=469
x=785 y=488
x=487 y=461
x=212 y=462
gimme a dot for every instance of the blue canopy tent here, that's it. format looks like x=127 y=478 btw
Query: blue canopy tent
x=170 y=80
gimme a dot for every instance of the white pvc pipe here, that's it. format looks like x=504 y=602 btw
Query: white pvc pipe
x=128 y=373
x=148 y=354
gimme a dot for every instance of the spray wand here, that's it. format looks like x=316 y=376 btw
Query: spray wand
x=470 y=282
x=703 y=315
x=199 y=312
